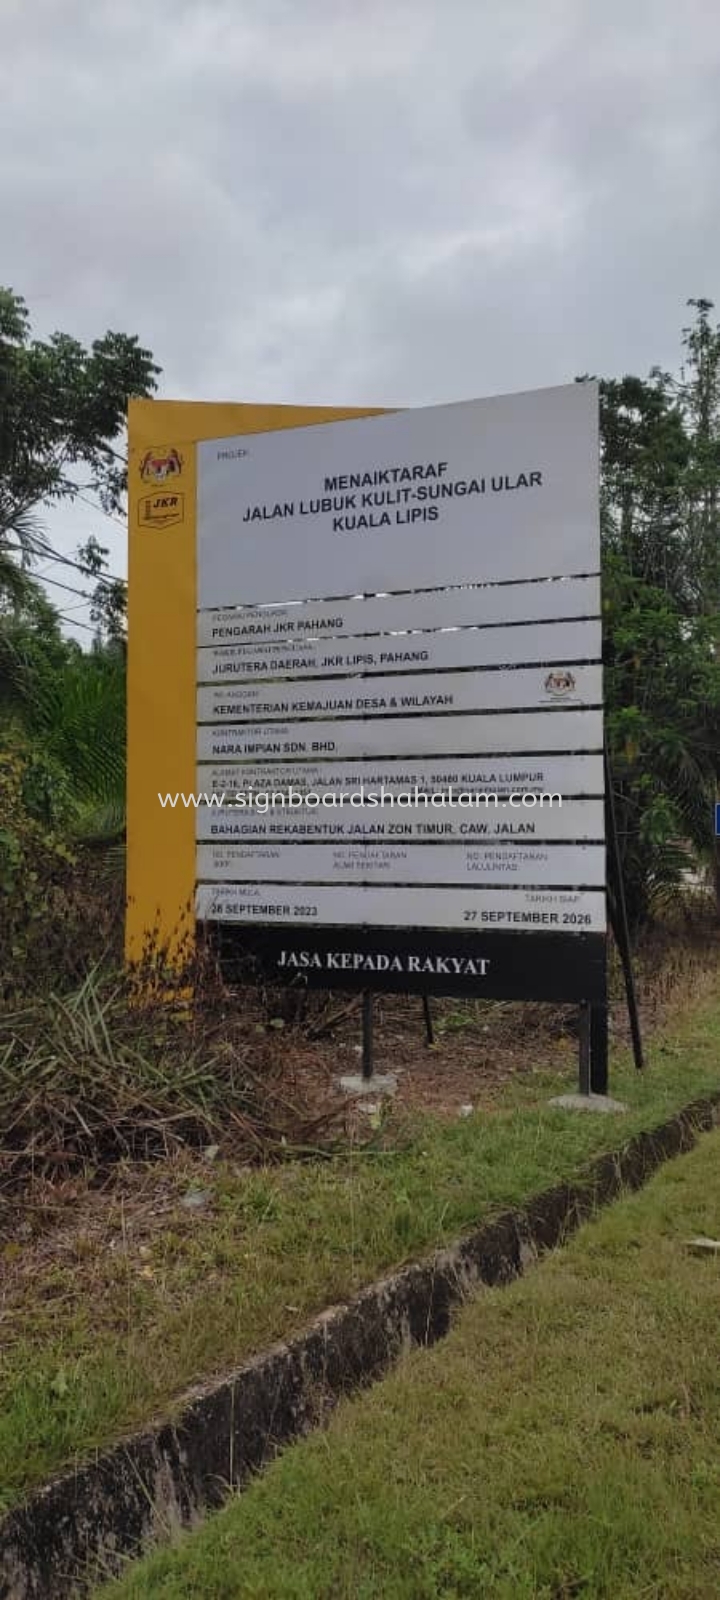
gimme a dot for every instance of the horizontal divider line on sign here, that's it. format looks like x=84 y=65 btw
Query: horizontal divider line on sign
x=397 y=927
x=592 y=615
x=485 y=669
x=266 y=606
x=271 y=885
x=552 y=659
x=383 y=808
x=389 y=929
x=438 y=715
x=496 y=842
x=479 y=932
x=416 y=670
x=482 y=931
x=412 y=755
x=327 y=762
x=546 y=709
x=248 y=808
x=246 y=838
x=400 y=884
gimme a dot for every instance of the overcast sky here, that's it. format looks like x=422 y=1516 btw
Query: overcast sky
x=361 y=201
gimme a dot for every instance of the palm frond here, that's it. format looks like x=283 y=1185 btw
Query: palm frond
x=80 y=718
x=15 y=584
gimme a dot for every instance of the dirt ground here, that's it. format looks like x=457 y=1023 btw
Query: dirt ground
x=479 y=1048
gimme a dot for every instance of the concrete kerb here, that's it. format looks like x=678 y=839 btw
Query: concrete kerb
x=84 y=1525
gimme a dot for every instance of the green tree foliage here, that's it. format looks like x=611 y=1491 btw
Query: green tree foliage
x=62 y=418
x=662 y=684
x=661 y=547
x=108 y=607
x=62 y=709
x=62 y=413
x=698 y=393
x=35 y=865
x=66 y=708
x=62 y=799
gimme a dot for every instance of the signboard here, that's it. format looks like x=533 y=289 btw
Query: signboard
x=395 y=620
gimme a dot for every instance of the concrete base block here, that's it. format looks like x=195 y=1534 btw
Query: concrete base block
x=379 y=1083
x=588 y=1102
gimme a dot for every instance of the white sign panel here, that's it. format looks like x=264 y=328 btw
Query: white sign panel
x=581 y=865
x=524 y=910
x=557 y=775
x=486 y=490
x=404 y=736
x=549 y=600
x=405 y=694
x=579 y=819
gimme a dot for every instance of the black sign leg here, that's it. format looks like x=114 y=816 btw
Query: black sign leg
x=619 y=928
x=427 y=1013
x=584 y=1050
x=598 y=1049
x=368 y=1061
x=593 y=1049
x=617 y=908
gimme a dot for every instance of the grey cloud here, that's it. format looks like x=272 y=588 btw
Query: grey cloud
x=398 y=201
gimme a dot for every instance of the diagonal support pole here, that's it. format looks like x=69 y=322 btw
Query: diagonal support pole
x=617 y=909
x=368 y=1054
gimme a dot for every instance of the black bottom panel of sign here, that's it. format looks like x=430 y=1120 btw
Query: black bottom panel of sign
x=492 y=966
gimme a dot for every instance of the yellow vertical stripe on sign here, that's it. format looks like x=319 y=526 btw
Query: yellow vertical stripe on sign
x=162 y=603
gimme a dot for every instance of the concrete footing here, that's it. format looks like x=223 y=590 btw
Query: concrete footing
x=380 y=1083
x=601 y=1103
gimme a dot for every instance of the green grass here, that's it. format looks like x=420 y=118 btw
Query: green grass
x=88 y=1357
x=561 y=1442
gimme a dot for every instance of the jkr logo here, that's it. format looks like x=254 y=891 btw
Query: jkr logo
x=159 y=465
x=161 y=510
